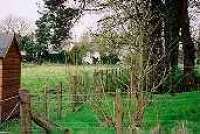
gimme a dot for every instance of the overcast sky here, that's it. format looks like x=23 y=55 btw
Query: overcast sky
x=28 y=9
x=24 y=8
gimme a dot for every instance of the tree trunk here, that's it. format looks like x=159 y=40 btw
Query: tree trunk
x=172 y=28
x=156 y=45
x=172 y=38
x=188 y=46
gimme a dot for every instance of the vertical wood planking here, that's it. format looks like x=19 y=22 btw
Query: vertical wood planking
x=10 y=78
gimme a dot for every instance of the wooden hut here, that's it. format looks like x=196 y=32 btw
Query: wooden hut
x=10 y=74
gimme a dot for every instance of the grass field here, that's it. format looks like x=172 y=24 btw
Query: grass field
x=166 y=110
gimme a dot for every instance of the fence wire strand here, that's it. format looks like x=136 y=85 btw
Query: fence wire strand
x=97 y=100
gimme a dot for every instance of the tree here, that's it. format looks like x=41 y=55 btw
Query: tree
x=150 y=32
x=172 y=29
x=177 y=29
x=156 y=42
x=135 y=28
x=80 y=50
x=55 y=24
x=188 y=45
x=28 y=45
x=15 y=24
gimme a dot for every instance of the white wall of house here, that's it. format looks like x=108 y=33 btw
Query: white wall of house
x=88 y=58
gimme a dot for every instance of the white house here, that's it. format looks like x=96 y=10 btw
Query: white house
x=91 y=57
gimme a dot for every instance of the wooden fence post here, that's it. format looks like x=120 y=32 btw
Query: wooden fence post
x=59 y=100
x=107 y=78
x=46 y=100
x=118 y=113
x=25 y=112
x=48 y=126
x=74 y=84
x=95 y=79
x=100 y=82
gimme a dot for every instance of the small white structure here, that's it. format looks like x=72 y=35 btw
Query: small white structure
x=87 y=59
x=91 y=57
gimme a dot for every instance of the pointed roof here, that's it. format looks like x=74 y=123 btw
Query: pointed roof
x=5 y=43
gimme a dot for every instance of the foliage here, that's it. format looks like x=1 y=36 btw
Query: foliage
x=32 y=49
x=109 y=42
x=58 y=57
x=28 y=45
x=115 y=79
x=75 y=56
x=55 y=24
x=137 y=26
x=176 y=76
x=109 y=59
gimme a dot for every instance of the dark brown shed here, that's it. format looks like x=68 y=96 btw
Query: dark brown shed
x=10 y=75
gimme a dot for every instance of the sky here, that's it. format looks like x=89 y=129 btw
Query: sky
x=28 y=9
x=23 y=8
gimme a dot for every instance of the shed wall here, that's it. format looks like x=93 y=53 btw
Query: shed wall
x=11 y=73
x=1 y=75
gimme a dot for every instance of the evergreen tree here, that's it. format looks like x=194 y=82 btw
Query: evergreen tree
x=55 y=24
x=28 y=45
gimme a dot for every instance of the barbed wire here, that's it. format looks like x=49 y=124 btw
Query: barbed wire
x=94 y=95
x=8 y=99
x=9 y=115
x=12 y=112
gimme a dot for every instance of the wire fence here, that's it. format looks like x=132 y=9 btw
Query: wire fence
x=66 y=96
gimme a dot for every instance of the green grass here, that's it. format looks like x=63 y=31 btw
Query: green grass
x=169 y=111
x=166 y=110
x=85 y=121
x=35 y=78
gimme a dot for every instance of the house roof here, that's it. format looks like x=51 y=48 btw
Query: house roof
x=5 y=43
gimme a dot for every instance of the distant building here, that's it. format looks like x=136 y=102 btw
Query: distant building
x=91 y=57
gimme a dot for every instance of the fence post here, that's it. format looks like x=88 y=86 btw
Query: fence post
x=107 y=82
x=46 y=100
x=96 y=83
x=74 y=84
x=59 y=100
x=118 y=112
x=48 y=126
x=100 y=84
x=25 y=112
